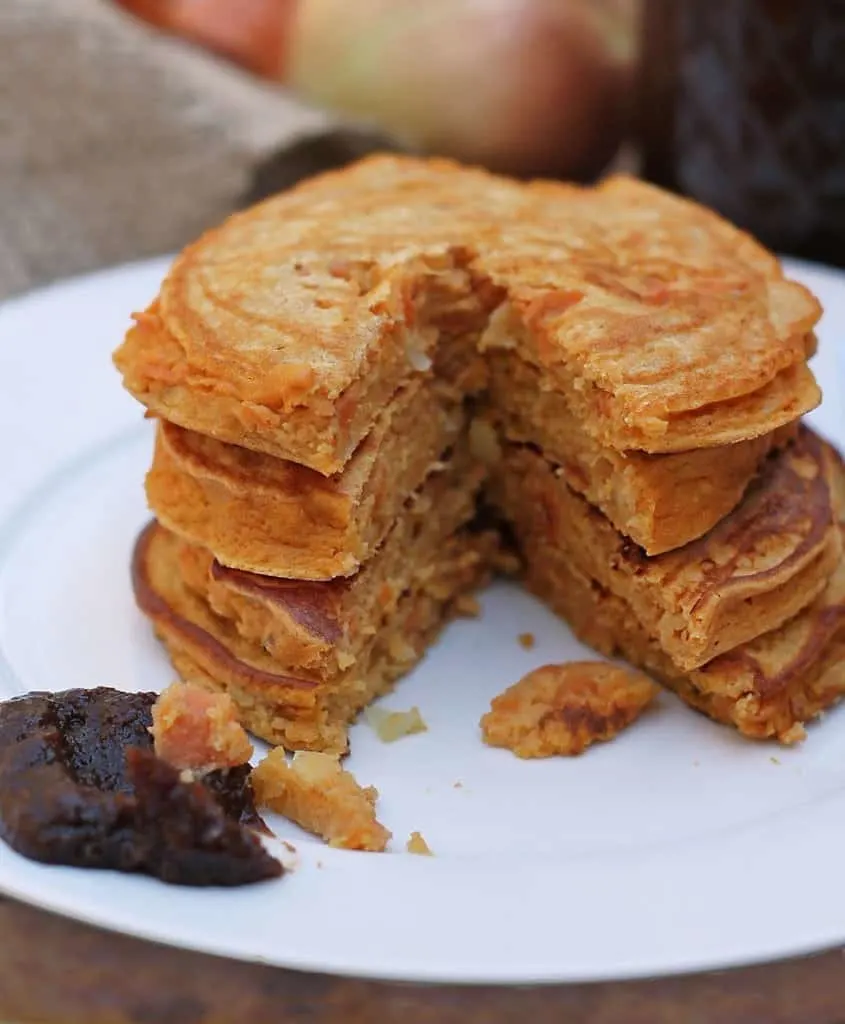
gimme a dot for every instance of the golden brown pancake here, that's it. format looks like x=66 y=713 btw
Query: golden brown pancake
x=560 y=710
x=297 y=709
x=271 y=516
x=288 y=329
x=312 y=359
x=766 y=688
x=327 y=626
x=660 y=501
x=757 y=568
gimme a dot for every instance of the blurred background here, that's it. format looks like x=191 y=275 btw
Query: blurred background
x=523 y=86
x=128 y=126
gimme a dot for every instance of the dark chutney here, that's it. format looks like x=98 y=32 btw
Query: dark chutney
x=80 y=785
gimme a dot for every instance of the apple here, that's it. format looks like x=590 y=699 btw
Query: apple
x=523 y=86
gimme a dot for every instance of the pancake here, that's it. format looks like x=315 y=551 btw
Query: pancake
x=327 y=626
x=757 y=568
x=766 y=688
x=289 y=328
x=660 y=501
x=297 y=709
x=274 y=517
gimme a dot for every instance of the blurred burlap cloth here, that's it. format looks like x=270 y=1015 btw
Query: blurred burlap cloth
x=118 y=143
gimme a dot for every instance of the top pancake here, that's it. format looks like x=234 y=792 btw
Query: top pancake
x=288 y=328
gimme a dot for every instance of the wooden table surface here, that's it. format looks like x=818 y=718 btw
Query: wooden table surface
x=53 y=971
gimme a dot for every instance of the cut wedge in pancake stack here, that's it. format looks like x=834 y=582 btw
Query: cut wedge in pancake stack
x=306 y=596
x=341 y=371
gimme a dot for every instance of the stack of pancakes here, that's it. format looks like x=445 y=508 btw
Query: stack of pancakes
x=341 y=372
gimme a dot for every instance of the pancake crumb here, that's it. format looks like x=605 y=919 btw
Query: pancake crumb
x=467 y=606
x=316 y=793
x=458 y=785
x=196 y=730
x=416 y=844
x=795 y=734
x=393 y=725
x=290 y=857
x=563 y=709
x=527 y=640
x=774 y=760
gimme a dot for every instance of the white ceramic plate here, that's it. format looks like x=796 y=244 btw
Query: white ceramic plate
x=677 y=847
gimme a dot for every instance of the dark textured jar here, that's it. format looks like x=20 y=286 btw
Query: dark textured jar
x=743 y=108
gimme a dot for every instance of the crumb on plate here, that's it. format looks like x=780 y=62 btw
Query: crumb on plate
x=796 y=734
x=393 y=725
x=316 y=793
x=195 y=729
x=562 y=709
x=416 y=844
x=527 y=640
